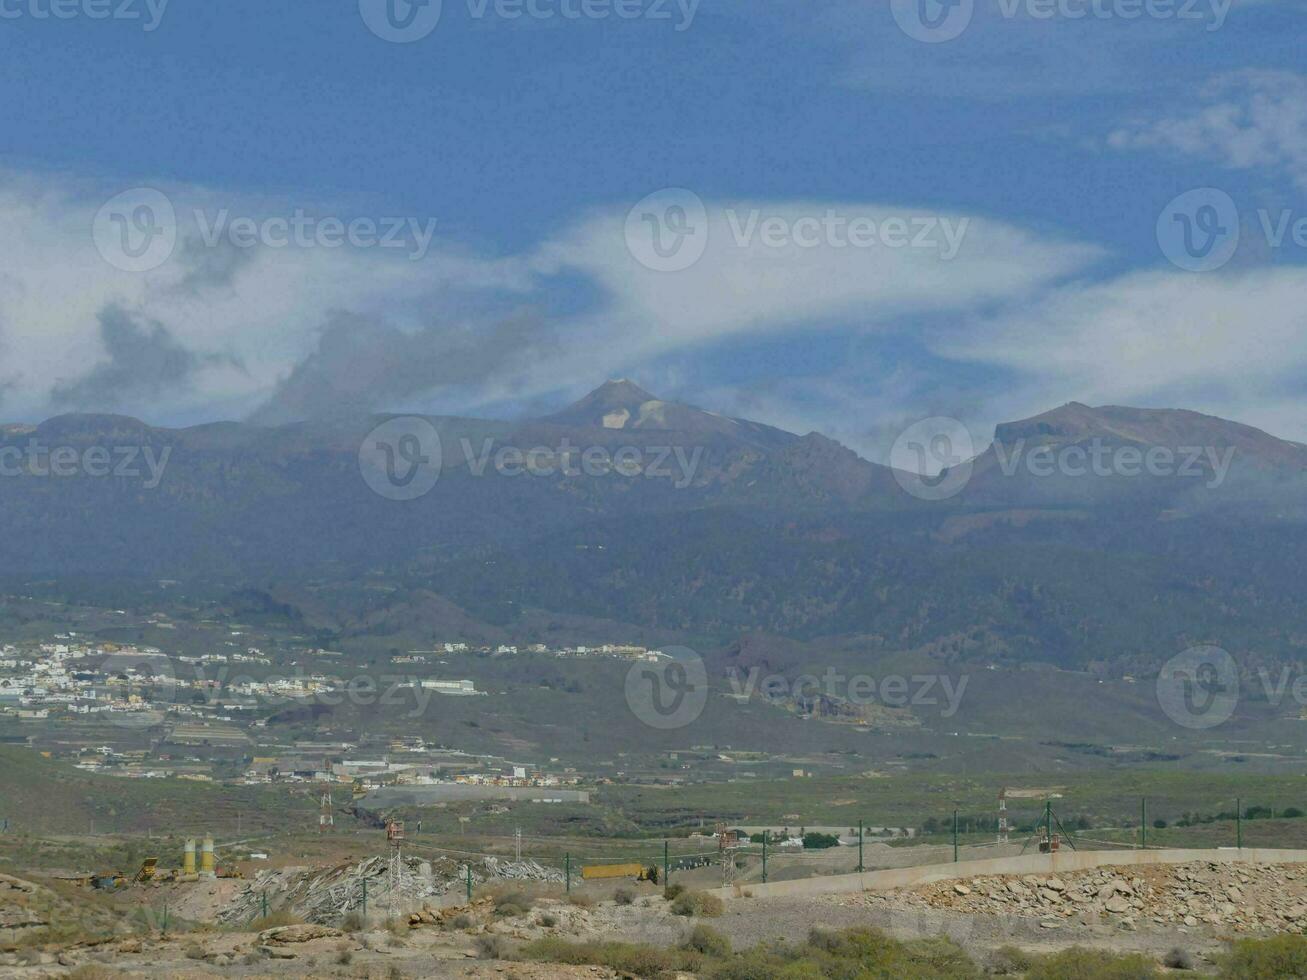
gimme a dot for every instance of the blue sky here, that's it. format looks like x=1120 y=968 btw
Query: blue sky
x=1054 y=143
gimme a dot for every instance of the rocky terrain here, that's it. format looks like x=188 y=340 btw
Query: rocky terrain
x=1152 y=911
x=1242 y=898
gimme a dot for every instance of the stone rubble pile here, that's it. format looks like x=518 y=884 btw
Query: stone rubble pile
x=328 y=895
x=1241 y=897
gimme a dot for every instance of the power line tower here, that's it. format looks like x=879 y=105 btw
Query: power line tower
x=728 y=842
x=395 y=838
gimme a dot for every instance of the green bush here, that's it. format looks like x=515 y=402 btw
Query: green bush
x=1007 y=960
x=671 y=892
x=814 y=841
x=631 y=958
x=1092 y=964
x=1266 y=959
x=698 y=903
x=708 y=942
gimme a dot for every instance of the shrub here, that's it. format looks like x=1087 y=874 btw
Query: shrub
x=629 y=958
x=548 y=920
x=1264 y=959
x=624 y=896
x=492 y=947
x=671 y=892
x=512 y=904
x=274 y=920
x=814 y=841
x=1078 y=963
x=580 y=901
x=1008 y=960
x=462 y=921
x=354 y=922
x=698 y=903
x=1178 y=959
x=708 y=942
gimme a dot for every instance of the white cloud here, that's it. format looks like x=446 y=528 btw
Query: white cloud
x=1246 y=120
x=1006 y=330
x=251 y=318
x=1224 y=344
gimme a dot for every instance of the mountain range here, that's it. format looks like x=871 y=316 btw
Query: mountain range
x=1082 y=535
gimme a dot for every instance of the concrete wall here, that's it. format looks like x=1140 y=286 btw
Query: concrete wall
x=391 y=796
x=1062 y=862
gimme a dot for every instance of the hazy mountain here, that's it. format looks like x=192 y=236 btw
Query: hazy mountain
x=1176 y=461
x=694 y=524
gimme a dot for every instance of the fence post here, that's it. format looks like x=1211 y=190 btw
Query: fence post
x=265 y=904
x=1238 y=822
x=568 y=864
x=1143 y=822
x=667 y=865
x=955 y=836
x=365 y=900
x=861 y=867
x=765 y=835
x=469 y=884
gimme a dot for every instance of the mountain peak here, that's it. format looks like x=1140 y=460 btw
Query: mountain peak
x=617 y=404
x=623 y=404
x=1170 y=427
x=621 y=390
